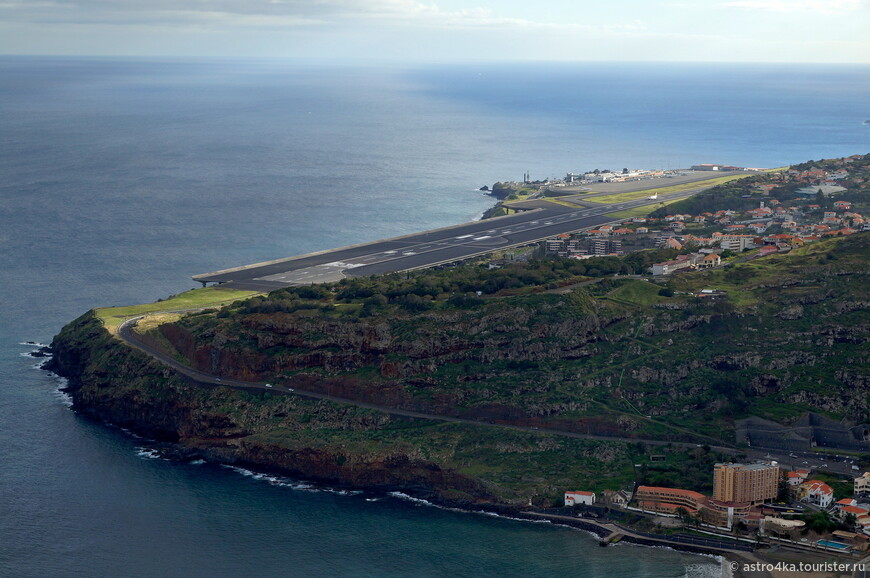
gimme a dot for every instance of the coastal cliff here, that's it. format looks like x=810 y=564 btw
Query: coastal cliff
x=789 y=330
x=342 y=445
x=113 y=382
x=524 y=367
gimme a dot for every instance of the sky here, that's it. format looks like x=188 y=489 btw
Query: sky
x=835 y=31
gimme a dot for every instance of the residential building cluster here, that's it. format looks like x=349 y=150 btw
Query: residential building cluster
x=744 y=494
x=771 y=227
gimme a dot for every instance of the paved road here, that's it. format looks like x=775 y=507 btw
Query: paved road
x=126 y=334
x=712 y=543
x=540 y=220
x=794 y=460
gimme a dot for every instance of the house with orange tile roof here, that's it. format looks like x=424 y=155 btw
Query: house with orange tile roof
x=760 y=213
x=794 y=478
x=845 y=502
x=703 y=241
x=579 y=497
x=854 y=510
x=709 y=261
x=840 y=232
x=672 y=243
x=816 y=492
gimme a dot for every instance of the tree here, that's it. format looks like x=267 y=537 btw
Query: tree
x=783 y=489
x=850 y=521
x=685 y=516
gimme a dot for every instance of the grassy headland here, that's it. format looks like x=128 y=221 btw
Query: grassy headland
x=548 y=345
x=112 y=317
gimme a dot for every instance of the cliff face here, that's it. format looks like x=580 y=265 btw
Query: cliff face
x=616 y=358
x=599 y=359
x=438 y=362
x=113 y=382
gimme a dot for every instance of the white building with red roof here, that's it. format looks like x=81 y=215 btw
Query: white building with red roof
x=856 y=511
x=579 y=497
x=839 y=504
x=796 y=478
x=816 y=492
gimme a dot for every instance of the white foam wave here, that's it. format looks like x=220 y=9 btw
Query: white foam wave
x=130 y=433
x=62 y=384
x=149 y=453
x=272 y=479
x=283 y=482
x=197 y=462
x=343 y=492
x=701 y=570
x=407 y=498
x=41 y=359
x=692 y=570
x=503 y=517
x=65 y=398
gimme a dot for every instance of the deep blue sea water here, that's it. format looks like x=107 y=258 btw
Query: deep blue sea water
x=121 y=178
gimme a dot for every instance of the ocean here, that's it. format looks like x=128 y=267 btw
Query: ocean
x=121 y=178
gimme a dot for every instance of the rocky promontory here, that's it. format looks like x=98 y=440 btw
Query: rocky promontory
x=508 y=363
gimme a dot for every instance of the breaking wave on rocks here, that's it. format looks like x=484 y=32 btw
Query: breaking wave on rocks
x=42 y=352
x=283 y=482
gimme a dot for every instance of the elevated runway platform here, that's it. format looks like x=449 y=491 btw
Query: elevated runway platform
x=538 y=220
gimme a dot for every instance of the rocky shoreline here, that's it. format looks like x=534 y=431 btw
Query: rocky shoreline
x=116 y=384
x=113 y=383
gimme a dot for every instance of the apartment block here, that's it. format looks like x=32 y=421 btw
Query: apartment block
x=745 y=483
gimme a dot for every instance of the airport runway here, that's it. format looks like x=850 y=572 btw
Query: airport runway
x=539 y=220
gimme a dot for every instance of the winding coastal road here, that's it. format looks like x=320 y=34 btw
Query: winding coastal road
x=127 y=334
x=831 y=463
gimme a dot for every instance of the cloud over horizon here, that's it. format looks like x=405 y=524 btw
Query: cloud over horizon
x=706 y=30
x=817 y=6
